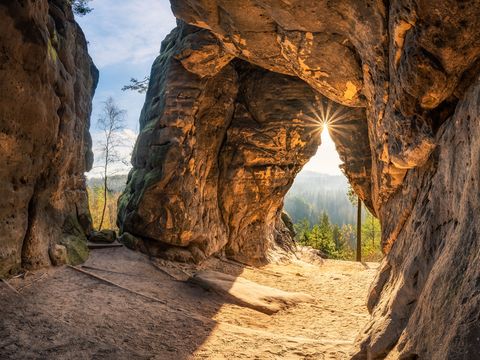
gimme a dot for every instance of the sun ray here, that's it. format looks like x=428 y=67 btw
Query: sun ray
x=328 y=116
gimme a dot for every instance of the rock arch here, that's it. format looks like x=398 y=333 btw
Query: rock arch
x=220 y=144
x=412 y=68
x=409 y=69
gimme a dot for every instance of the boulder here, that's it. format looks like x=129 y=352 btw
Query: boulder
x=58 y=255
x=105 y=236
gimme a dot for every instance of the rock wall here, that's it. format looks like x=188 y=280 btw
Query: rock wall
x=425 y=301
x=216 y=153
x=405 y=72
x=47 y=85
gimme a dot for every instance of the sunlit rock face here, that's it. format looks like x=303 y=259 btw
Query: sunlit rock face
x=216 y=153
x=46 y=87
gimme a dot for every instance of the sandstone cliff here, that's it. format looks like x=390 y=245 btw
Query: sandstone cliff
x=225 y=130
x=47 y=83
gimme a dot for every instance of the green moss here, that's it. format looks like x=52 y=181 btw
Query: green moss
x=77 y=250
x=75 y=241
x=129 y=240
x=52 y=53
x=152 y=177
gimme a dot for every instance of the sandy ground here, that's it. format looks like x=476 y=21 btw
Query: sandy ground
x=65 y=314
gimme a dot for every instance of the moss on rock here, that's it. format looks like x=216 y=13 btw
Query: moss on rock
x=75 y=241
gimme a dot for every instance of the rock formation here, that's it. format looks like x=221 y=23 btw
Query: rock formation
x=217 y=152
x=226 y=126
x=232 y=114
x=46 y=87
x=425 y=300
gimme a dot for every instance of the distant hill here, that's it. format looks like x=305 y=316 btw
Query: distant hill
x=312 y=193
x=116 y=183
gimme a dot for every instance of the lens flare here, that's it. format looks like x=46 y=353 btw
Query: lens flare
x=328 y=116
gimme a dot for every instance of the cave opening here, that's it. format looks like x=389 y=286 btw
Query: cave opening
x=322 y=204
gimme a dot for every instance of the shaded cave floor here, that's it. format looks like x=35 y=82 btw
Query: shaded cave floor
x=62 y=313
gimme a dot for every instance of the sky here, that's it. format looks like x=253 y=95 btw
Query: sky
x=124 y=38
x=326 y=160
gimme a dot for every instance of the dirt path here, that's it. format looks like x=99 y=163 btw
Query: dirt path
x=65 y=314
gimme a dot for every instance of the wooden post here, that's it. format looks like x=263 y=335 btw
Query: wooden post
x=359 y=230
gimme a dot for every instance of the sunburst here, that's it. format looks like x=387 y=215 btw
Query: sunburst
x=328 y=116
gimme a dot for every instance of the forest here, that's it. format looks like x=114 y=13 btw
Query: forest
x=325 y=218
x=323 y=215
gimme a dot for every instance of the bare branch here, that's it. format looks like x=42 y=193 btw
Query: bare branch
x=111 y=123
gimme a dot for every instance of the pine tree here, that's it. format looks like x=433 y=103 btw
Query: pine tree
x=336 y=236
x=80 y=7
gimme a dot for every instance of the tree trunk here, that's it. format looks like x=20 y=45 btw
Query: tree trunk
x=104 y=198
x=373 y=231
x=359 y=230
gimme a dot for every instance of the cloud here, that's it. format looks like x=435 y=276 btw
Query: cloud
x=122 y=31
x=128 y=138
x=124 y=39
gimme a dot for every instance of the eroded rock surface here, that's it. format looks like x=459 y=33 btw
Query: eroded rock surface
x=425 y=300
x=221 y=142
x=47 y=82
x=216 y=155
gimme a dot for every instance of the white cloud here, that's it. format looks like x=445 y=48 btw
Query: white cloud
x=124 y=38
x=125 y=31
x=128 y=138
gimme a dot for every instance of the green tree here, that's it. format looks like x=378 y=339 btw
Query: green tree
x=336 y=236
x=80 y=7
x=140 y=86
x=302 y=231
x=371 y=234
x=347 y=235
x=322 y=236
x=371 y=229
x=300 y=209
x=356 y=199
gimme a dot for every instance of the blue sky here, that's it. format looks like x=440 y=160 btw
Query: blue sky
x=124 y=38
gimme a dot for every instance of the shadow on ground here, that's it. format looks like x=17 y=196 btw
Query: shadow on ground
x=66 y=314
